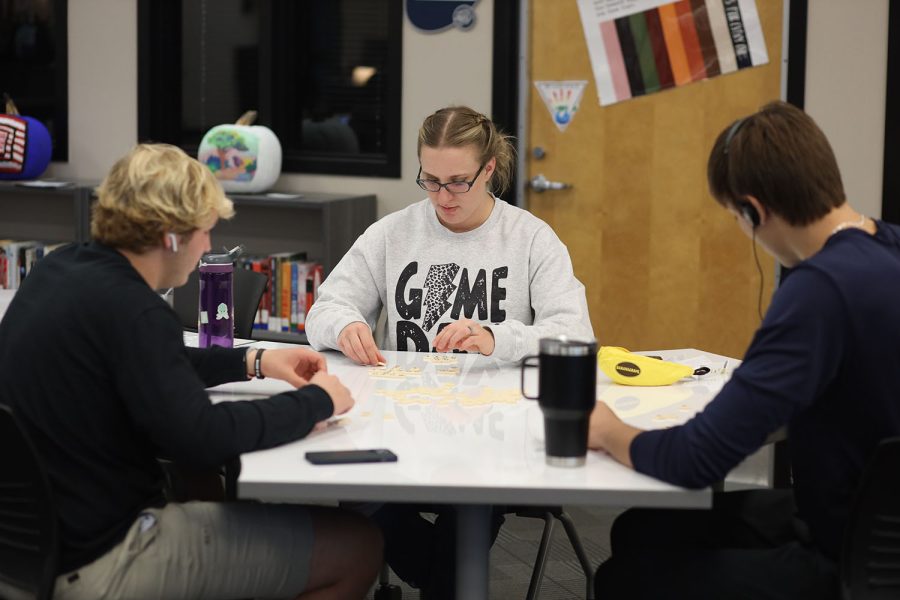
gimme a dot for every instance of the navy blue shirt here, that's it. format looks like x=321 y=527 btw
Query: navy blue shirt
x=826 y=363
x=93 y=361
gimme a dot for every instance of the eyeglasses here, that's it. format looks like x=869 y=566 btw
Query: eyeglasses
x=454 y=187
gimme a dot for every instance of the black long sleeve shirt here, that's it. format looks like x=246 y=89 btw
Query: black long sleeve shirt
x=825 y=362
x=93 y=361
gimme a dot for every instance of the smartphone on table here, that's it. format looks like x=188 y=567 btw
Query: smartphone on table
x=344 y=457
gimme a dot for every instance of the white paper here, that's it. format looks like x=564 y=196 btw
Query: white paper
x=43 y=183
x=607 y=10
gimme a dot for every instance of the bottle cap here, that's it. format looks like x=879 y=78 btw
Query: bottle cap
x=228 y=257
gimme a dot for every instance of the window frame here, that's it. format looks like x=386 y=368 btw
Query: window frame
x=60 y=150
x=159 y=87
x=890 y=185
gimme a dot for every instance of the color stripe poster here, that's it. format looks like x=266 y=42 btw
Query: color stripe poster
x=671 y=45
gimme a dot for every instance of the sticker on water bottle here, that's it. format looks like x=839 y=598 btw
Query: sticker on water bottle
x=204 y=318
x=222 y=312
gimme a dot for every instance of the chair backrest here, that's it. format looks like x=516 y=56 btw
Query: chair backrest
x=186 y=302
x=249 y=287
x=28 y=528
x=870 y=558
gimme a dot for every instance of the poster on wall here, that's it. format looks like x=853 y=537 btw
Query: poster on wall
x=562 y=99
x=436 y=15
x=669 y=44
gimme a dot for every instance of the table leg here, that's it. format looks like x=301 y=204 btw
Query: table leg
x=473 y=548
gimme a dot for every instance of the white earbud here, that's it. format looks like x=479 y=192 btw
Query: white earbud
x=174 y=241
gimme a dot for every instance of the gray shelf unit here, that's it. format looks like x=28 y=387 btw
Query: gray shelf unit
x=47 y=214
x=322 y=225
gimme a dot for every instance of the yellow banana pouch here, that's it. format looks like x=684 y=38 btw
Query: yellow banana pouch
x=628 y=368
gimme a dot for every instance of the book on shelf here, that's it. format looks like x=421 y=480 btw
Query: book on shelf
x=18 y=257
x=293 y=283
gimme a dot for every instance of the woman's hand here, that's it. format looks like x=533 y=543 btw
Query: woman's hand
x=357 y=344
x=467 y=335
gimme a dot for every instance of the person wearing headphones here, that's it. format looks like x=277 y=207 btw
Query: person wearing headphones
x=825 y=363
x=94 y=366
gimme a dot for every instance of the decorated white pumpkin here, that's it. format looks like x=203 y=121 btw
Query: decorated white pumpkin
x=243 y=157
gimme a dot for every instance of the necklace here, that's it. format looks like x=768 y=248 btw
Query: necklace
x=842 y=226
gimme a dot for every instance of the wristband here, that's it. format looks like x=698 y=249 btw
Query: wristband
x=257 y=364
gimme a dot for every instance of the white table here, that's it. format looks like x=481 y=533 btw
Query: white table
x=456 y=446
x=6 y=297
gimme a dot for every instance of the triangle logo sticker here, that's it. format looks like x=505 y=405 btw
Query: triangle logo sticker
x=562 y=99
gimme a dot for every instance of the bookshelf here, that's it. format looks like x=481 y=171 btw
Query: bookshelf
x=60 y=214
x=322 y=225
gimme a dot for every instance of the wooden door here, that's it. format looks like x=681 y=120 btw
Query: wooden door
x=664 y=265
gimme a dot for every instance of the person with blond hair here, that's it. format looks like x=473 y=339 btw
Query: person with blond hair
x=95 y=367
x=461 y=270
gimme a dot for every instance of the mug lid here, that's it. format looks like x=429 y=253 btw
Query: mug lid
x=564 y=346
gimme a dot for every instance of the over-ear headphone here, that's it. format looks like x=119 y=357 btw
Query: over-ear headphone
x=750 y=213
x=173 y=239
x=731 y=131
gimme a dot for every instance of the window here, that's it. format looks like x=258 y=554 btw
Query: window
x=33 y=64
x=324 y=75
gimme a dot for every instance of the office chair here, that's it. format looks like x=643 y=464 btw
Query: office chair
x=870 y=557
x=249 y=287
x=28 y=529
x=550 y=514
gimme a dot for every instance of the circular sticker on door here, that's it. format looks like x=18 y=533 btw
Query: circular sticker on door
x=434 y=15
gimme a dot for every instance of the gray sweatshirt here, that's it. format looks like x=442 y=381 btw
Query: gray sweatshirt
x=512 y=274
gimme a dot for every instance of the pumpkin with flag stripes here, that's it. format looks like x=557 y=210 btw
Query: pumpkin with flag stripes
x=25 y=146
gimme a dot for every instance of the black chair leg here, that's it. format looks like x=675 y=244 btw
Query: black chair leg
x=540 y=561
x=232 y=472
x=386 y=591
x=586 y=566
x=548 y=514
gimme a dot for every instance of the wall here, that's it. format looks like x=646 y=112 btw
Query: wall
x=450 y=67
x=846 y=65
x=102 y=86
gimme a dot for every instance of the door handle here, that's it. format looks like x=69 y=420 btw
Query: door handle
x=539 y=184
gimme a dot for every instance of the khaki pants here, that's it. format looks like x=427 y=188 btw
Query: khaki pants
x=202 y=550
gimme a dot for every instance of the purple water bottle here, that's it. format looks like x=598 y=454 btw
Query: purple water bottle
x=216 y=327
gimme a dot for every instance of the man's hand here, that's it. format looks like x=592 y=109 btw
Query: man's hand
x=467 y=335
x=357 y=344
x=340 y=395
x=293 y=365
x=608 y=432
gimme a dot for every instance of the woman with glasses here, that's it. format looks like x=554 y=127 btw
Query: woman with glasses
x=460 y=270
